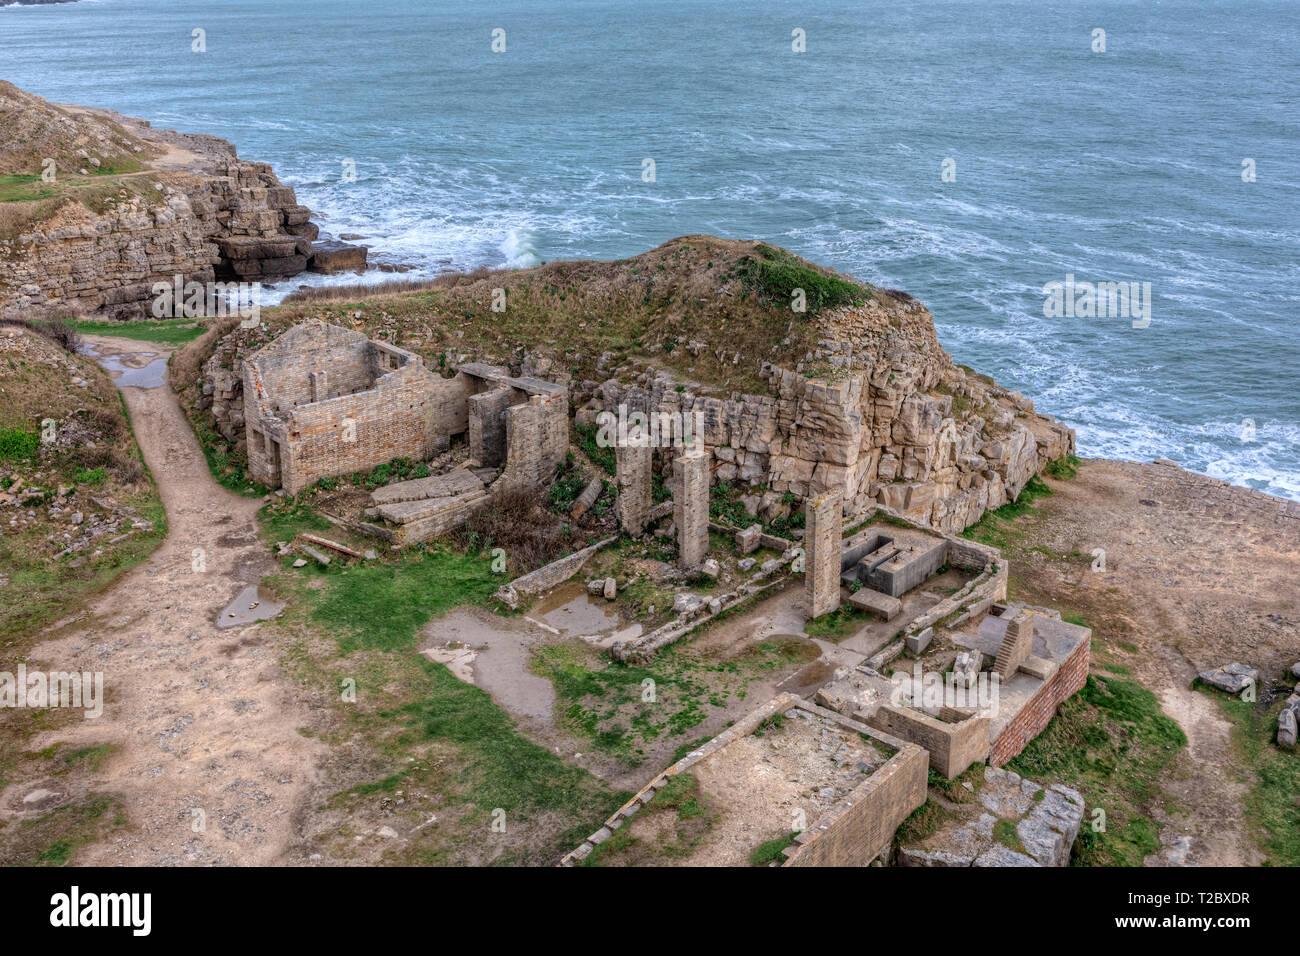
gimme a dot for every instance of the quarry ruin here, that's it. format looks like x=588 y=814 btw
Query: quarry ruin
x=983 y=676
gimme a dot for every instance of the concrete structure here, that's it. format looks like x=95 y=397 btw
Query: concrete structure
x=892 y=559
x=633 y=463
x=1056 y=668
x=824 y=528
x=691 y=505
x=955 y=739
x=853 y=783
x=1016 y=644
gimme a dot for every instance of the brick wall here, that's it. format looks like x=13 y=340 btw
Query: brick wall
x=380 y=402
x=1038 y=713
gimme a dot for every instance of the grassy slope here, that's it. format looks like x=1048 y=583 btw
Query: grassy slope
x=1272 y=808
x=731 y=295
x=42 y=588
x=30 y=392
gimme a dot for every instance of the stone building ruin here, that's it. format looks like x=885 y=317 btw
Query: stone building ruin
x=322 y=401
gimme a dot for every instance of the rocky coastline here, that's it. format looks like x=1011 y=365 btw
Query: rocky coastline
x=127 y=206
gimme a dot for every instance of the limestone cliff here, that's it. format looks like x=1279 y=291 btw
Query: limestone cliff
x=892 y=421
x=97 y=207
x=858 y=396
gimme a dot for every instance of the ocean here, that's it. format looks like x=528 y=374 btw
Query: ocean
x=970 y=152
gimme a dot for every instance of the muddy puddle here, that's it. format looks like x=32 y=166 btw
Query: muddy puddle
x=492 y=653
x=570 y=611
x=250 y=605
x=129 y=369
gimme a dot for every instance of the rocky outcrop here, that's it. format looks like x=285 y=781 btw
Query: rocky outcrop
x=879 y=413
x=1011 y=822
x=131 y=206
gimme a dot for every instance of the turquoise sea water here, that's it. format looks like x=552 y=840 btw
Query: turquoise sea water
x=1121 y=166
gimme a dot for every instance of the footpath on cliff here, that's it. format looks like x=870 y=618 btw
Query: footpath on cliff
x=205 y=755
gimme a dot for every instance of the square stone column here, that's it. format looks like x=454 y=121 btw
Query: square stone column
x=633 y=464
x=691 y=505
x=823 y=531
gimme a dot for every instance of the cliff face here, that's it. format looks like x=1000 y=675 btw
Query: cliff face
x=129 y=206
x=866 y=402
x=892 y=421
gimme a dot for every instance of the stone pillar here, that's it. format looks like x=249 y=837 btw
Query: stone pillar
x=823 y=531
x=634 y=463
x=1017 y=644
x=318 y=391
x=691 y=505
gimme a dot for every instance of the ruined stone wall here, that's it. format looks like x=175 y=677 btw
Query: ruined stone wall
x=861 y=826
x=952 y=746
x=1038 y=713
x=534 y=446
x=391 y=420
x=888 y=420
x=294 y=441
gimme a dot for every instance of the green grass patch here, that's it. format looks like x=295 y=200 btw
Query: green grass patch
x=1064 y=468
x=1004 y=831
x=1272 y=805
x=771 y=851
x=384 y=606
x=54 y=838
x=91 y=476
x=24 y=188
x=162 y=331
x=18 y=444
x=992 y=528
x=775 y=274
x=1111 y=742
x=838 y=624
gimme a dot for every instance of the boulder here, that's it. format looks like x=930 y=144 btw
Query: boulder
x=611 y=589
x=1231 y=678
x=337 y=257
x=1286 y=729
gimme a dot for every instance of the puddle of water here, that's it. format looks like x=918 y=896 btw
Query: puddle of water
x=250 y=605
x=494 y=655
x=151 y=374
x=572 y=611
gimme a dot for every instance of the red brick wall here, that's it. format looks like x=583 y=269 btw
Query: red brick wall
x=1038 y=713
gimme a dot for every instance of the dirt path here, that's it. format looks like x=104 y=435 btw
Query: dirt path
x=207 y=757
x=1197 y=574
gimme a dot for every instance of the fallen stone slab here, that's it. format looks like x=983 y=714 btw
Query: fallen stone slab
x=318 y=556
x=1231 y=678
x=456 y=482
